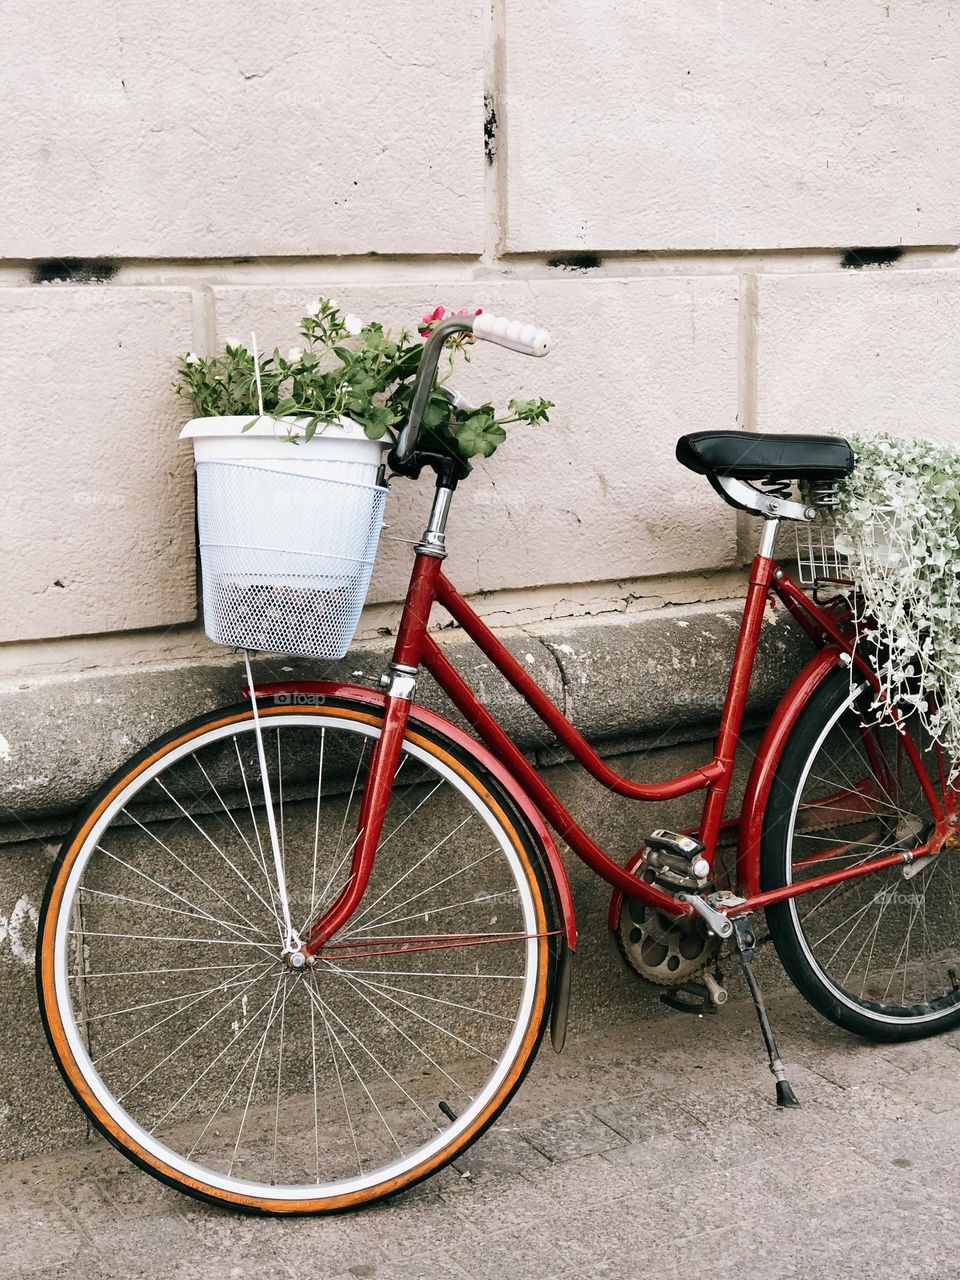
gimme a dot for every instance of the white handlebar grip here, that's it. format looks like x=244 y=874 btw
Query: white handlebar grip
x=525 y=338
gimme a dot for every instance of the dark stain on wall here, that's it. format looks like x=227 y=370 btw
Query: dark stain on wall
x=576 y=261
x=74 y=270
x=854 y=259
x=489 y=128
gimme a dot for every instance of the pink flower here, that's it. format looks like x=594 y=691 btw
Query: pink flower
x=425 y=324
x=438 y=313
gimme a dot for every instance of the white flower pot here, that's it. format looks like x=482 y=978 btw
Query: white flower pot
x=288 y=532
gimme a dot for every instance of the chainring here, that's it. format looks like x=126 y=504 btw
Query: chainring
x=665 y=950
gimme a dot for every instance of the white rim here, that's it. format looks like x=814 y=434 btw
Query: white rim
x=311 y=1190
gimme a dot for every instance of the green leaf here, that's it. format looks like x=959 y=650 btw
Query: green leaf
x=436 y=413
x=479 y=434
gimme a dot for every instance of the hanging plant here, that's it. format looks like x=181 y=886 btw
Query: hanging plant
x=898 y=524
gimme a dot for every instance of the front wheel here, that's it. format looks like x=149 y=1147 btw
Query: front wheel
x=217 y=1067
x=878 y=955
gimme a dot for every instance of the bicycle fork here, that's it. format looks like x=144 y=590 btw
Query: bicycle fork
x=373 y=810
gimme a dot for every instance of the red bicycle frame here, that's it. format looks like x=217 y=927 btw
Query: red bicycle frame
x=416 y=648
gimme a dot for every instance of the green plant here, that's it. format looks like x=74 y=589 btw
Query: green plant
x=346 y=368
x=899 y=525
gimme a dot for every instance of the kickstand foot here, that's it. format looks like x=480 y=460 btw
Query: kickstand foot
x=744 y=942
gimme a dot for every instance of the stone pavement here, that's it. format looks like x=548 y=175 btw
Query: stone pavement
x=649 y=1149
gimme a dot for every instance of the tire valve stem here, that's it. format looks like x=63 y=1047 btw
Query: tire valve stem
x=448 y=1111
x=952 y=975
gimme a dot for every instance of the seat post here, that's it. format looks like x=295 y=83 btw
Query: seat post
x=768 y=536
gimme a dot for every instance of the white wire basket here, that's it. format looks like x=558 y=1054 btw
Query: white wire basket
x=286 y=558
x=818 y=557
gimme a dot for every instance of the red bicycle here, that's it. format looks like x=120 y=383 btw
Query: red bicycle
x=298 y=954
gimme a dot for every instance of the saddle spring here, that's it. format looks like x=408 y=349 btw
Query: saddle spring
x=777 y=487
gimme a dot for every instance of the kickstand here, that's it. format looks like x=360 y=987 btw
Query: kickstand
x=744 y=941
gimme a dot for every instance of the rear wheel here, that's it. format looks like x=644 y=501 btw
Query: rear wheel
x=878 y=955
x=209 y=1061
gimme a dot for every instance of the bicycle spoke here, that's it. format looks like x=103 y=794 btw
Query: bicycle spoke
x=437 y=1027
x=244 y=987
x=422 y=995
x=261 y=860
x=316 y=832
x=213 y=844
x=325 y=1009
x=155 y=906
x=231 y=1044
x=436 y=911
x=399 y=1030
x=336 y=1067
x=377 y=1063
x=186 y=866
x=410 y=870
x=372 y=924
x=253 y=1081
x=228 y=984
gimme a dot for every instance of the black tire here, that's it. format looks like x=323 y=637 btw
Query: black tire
x=799 y=814
x=433 y=745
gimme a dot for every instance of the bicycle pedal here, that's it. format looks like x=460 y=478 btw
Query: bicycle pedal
x=676 y=858
x=701 y=1000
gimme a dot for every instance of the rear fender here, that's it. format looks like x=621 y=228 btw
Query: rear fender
x=311 y=690
x=778 y=730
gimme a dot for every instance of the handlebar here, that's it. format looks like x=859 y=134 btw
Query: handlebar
x=513 y=334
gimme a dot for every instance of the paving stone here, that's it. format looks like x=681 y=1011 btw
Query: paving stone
x=578 y=1133
x=144 y=1246
x=36 y=1235
x=579 y=1181
x=502 y=1152
x=423 y=1266
x=491 y=1207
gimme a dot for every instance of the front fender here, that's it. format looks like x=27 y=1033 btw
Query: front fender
x=765 y=764
x=431 y=720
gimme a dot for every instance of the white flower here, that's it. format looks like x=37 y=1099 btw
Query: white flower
x=353 y=324
x=191 y=358
x=294 y=354
x=312 y=308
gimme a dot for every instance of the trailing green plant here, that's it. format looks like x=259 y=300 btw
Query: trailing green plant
x=345 y=368
x=899 y=526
